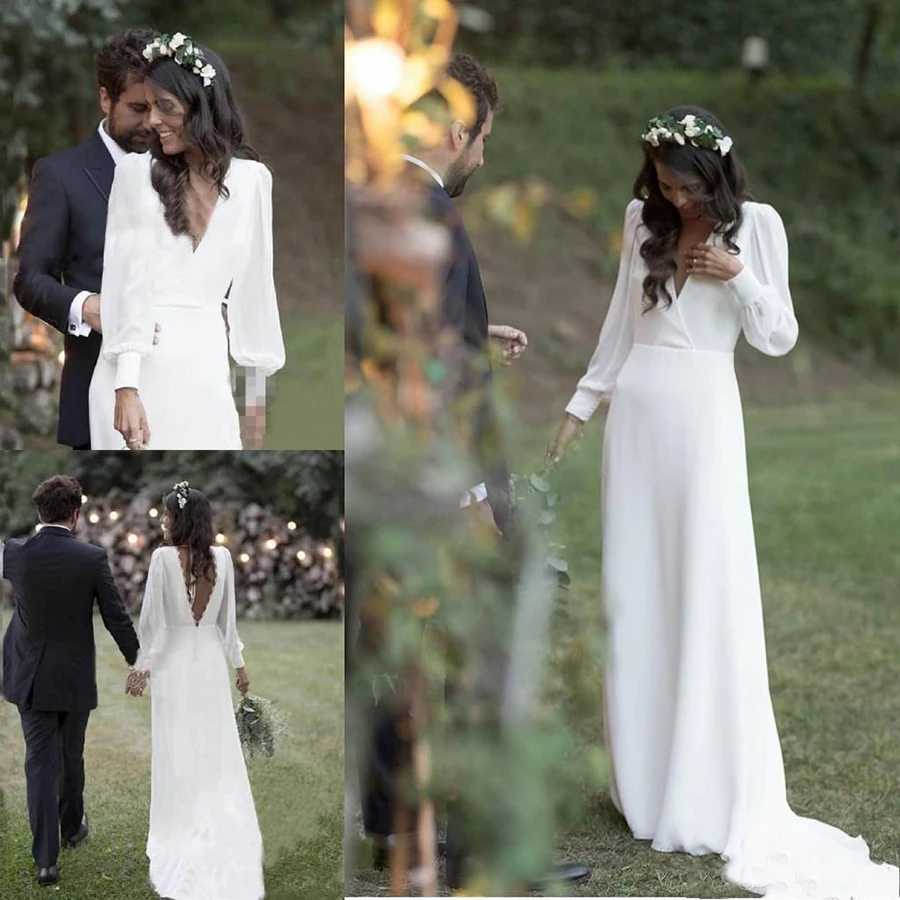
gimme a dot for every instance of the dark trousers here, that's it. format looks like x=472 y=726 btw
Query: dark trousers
x=54 y=775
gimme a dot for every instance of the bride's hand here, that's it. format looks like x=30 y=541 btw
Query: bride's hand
x=254 y=426
x=137 y=682
x=569 y=429
x=130 y=419
x=243 y=680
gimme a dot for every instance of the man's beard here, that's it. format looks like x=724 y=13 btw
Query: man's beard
x=457 y=176
x=135 y=141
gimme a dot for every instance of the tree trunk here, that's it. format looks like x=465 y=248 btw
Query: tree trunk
x=873 y=15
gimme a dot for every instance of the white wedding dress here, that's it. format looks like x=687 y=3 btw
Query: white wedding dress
x=154 y=277
x=204 y=841
x=695 y=756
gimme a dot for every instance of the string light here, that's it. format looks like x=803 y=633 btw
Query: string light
x=220 y=538
x=245 y=557
x=271 y=544
x=93 y=518
x=292 y=526
x=301 y=555
x=154 y=513
x=113 y=516
x=132 y=539
x=327 y=552
x=83 y=499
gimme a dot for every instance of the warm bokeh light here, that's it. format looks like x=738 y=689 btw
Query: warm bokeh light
x=113 y=516
x=154 y=513
x=245 y=557
x=373 y=69
x=327 y=552
x=292 y=526
x=301 y=555
x=84 y=499
x=93 y=518
x=132 y=539
x=271 y=544
x=220 y=538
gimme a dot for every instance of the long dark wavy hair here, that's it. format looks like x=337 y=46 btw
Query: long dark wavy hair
x=725 y=181
x=213 y=124
x=192 y=527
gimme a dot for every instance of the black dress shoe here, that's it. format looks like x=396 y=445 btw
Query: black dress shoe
x=567 y=873
x=48 y=876
x=80 y=835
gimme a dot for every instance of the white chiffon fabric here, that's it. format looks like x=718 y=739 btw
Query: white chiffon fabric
x=695 y=756
x=204 y=841
x=152 y=276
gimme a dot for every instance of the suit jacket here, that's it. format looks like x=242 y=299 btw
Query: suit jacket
x=465 y=311
x=60 y=255
x=48 y=649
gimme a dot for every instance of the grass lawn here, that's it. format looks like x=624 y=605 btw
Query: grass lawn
x=825 y=486
x=298 y=793
x=308 y=405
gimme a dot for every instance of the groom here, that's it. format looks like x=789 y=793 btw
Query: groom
x=64 y=228
x=49 y=669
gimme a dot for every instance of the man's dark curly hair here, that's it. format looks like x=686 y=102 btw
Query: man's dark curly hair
x=472 y=75
x=120 y=59
x=57 y=498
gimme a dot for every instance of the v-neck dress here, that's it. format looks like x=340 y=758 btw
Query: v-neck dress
x=154 y=277
x=696 y=764
x=204 y=840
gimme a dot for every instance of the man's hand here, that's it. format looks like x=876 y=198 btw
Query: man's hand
x=90 y=313
x=130 y=419
x=243 y=679
x=511 y=340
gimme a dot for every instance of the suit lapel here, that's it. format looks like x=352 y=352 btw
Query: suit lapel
x=99 y=167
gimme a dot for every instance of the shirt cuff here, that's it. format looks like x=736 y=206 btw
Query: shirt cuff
x=584 y=404
x=745 y=286
x=128 y=370
x=474 y=495
x=77 y=326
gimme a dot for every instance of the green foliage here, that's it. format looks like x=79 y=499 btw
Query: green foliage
x=307 y=485
x=807 y=37
x=823 y=154
x=260 y=723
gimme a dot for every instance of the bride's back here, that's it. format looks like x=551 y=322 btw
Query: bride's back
x=186 y=600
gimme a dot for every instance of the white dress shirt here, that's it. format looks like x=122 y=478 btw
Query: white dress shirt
x=479 y=492
x=77 y=326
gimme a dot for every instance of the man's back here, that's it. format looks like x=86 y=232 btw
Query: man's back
x=49 y=647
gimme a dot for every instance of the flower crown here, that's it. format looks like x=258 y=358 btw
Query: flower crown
x=184 y=51
x=691 y=128
x=182 y=490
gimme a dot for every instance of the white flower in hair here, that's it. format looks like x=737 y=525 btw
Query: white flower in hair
x=177 y=40
x=207 y=73
x=724 y=144
x=679 y=138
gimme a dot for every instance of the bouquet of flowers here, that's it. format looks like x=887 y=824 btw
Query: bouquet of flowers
x=259 y=723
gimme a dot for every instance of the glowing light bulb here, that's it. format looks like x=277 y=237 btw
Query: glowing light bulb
x=220 y=538
x=301 y=555
x=245 y=557
x=154 y=513
x=132 y=539
x=271 y=544
x=292 y=526
x=83 y=499
x=93 y=518
x=113 y=516
x=327 y=552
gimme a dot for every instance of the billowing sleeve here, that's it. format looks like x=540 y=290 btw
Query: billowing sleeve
x=617 y=333
x=125 y=309
x=761 y=288
x=254 y=324
x=227 y=618
x=151 y=627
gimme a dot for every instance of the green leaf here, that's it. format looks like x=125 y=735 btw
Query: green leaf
x=540 y=483
x=560 y=565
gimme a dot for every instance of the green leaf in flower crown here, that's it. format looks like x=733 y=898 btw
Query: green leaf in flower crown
x=552 y=498
x=540 y=483
x=547 y=517
x=560 y=565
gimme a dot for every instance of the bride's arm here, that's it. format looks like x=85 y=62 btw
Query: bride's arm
x=151 y=627
x=255 y=336
x=227 y=618
x=125 y=310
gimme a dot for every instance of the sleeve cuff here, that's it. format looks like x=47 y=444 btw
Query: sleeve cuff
x=128 y=370
x=256 y=386
x=77 y=326
x=745 y=286
x=584 y=404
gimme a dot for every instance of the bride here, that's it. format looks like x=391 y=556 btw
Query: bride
x=189 y=228
x=696 y=764
x=204 y=841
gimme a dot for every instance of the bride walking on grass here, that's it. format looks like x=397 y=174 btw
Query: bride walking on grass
x=204 y=841
x=696 y=760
